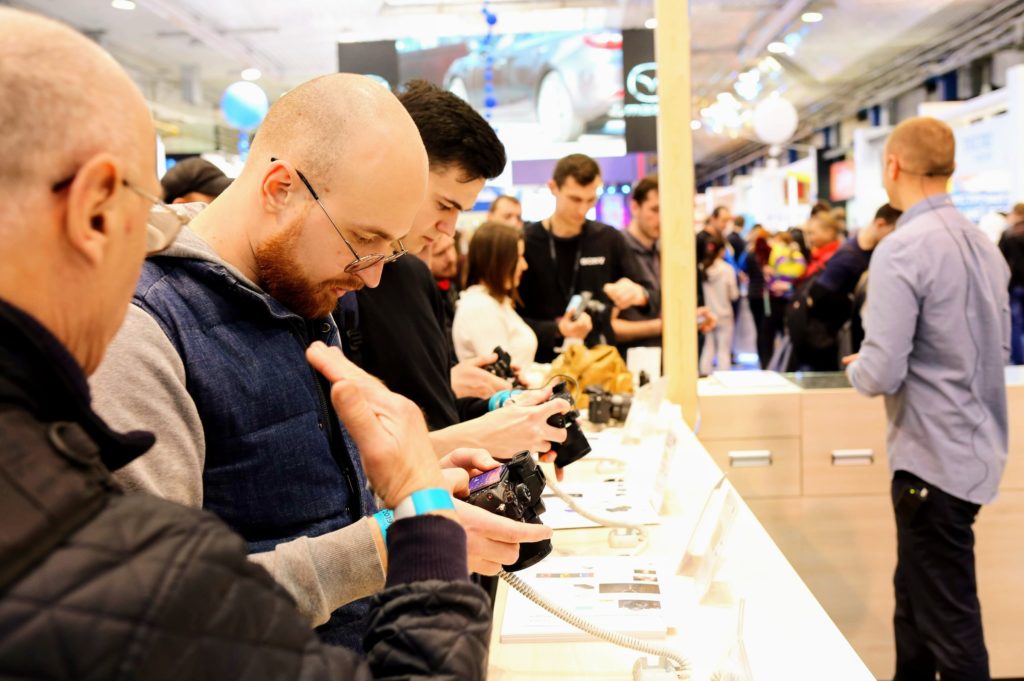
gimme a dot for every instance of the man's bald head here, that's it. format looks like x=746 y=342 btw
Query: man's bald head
x=324 y=122
x=64 y=100
x=923 y=146
x=920 y=157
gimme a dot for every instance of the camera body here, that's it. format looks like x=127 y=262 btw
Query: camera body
x=514 y=490
x=502 y=368
x=575 y=446
x=604 y=407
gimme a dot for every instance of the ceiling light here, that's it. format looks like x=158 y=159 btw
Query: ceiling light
x=651 y=23
x=122 y=4
x=778 y=48
x=812 y=17
x=252 y=74
x=695 y=125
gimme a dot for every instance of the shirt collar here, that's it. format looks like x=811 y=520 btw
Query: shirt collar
x=637 y=246
x=925 y=205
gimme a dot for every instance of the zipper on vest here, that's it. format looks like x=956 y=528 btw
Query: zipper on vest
x=327 y=421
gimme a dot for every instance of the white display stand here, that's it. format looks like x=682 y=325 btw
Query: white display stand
x=786 y=633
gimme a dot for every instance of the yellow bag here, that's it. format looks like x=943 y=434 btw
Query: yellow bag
x=601 y=365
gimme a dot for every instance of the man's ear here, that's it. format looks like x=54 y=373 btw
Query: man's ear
x=279 y=183
x=553 y=187
x=892 y=167
x=91 y=206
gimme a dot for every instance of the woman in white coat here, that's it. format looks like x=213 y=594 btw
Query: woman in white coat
x=485 y=316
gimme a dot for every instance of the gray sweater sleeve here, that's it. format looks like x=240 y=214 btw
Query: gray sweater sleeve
x=141 y=385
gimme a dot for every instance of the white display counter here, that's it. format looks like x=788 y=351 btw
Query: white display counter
x=787 y=634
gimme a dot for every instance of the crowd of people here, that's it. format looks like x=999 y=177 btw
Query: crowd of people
x=236 y=433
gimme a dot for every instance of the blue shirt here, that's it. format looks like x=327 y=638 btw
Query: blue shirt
x=937 y=342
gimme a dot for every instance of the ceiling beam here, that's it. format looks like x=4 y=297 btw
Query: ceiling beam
x=222 y=42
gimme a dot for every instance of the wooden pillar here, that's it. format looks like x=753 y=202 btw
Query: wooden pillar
x=676 y=191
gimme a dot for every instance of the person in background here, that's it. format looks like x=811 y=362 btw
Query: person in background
x=720 y=292
x=821 y=206
x=634 y=327
x=839 y=216
x=569 y=254
x=99 y=584
x=754 y=266
x=193 y=180
x=485 y=316
x=822 y=238
x=506 y=209
x=714 y=229
x=823 y=303
x=442 y=257
x=938 y=332
x=1011 y=244
x=735 y=238
x=786 y=266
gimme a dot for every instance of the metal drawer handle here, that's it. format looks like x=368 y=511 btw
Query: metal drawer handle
x=853 y=457
x=750 y=458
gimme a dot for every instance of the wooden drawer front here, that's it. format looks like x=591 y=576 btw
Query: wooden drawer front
x=749 y=416
x=999 y=555
x=844 y=548
x=843 y=444
x=760 y=468
x=1013 y=477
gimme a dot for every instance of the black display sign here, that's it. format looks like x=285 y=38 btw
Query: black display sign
x=378 y=60
x=640 y=73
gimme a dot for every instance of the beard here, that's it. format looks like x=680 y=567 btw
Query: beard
x=281 y=275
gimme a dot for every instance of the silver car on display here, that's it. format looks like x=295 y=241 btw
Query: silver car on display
x=566 y=82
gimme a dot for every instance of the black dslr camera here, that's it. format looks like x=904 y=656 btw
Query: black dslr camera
x=514 y=490
x=575 y=446
x=502 y=368
x=604 y=407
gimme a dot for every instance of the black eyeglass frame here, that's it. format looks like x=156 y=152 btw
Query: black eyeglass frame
x=360 y=262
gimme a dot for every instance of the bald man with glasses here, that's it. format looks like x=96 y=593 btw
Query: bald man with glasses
x=212 y=353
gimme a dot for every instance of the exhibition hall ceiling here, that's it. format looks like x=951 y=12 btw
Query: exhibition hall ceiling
x=184 y=52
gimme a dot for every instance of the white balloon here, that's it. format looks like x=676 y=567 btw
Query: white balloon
x=775 y=120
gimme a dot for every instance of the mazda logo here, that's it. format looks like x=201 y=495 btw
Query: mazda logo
x=642 y=82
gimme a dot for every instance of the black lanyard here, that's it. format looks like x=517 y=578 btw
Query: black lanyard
x=575 y=263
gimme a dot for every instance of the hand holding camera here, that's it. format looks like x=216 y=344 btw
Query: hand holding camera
x=514 y=491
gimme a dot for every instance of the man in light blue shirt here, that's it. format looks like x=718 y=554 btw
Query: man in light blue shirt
x=937 y=340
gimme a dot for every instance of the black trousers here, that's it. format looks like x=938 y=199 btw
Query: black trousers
x=938 y=616
x=757 y=312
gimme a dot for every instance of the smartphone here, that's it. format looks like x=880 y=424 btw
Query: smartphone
x=577 y=304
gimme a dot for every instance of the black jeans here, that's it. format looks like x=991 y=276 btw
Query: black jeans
x=938 y=616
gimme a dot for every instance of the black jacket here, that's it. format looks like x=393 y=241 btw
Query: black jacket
x=401 y=339
x=98 y=585
x=604 y=258
x=1012 y=246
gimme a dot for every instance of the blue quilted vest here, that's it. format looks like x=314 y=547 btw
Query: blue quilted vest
x=279 y=464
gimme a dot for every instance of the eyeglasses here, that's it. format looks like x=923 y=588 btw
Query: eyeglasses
x=360 y=262
x=163 y=225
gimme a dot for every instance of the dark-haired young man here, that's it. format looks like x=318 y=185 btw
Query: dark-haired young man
x=396 y=331
x=635 y=327
x=569 y=254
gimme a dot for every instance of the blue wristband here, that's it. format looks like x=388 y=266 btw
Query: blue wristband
x=384 y=519
x=499 y=399
x=424 y=501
